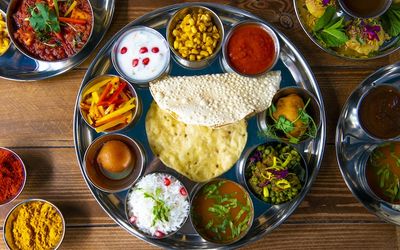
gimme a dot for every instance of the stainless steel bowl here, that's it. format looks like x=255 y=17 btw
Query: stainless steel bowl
x=24 y=181
x=196 y=191
x=242 y=165
x=11 y=27
x=371 y=136
x=136 y=112
x=380 y=12
x=263 y=26
x=133 y=224
x=114 y=52
x=7 y=225
x=390 y=47
x=314 y=110
x=179 y=16
x=96 y=176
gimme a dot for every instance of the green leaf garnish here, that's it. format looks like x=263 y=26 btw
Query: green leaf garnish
x=43 y=20
x=329 y=29
x=391 y=20
x=160 y=209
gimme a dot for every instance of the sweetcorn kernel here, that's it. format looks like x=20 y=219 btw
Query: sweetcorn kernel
x=196 y=36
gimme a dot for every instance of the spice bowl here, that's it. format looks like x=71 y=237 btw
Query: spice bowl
x=206 y=198
x=145 y=197
x=113 y=162
x=15 y=174
x=277 y=181
x=253 y=34
x=104 y=81
x=51 y=231
x=177 y=39
x=293 y=98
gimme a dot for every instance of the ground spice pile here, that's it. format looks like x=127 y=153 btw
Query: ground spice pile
x=34 y=225
x=11 y=175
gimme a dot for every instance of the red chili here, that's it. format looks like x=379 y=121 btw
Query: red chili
x=183 y=191
x=167 y=181
x=124 y=50
x=146 y=61
x=12 y=175
x=135 y=62
x=143 y=50
x=155 y=50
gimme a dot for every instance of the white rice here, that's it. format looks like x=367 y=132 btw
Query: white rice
x=142 y=208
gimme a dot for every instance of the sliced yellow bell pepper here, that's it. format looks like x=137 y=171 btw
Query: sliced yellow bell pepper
x=111 y=124
x=100 y=84
x=116 y=113
x=73 y=5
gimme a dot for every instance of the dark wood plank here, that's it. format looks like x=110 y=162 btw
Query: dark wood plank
x=299 y=236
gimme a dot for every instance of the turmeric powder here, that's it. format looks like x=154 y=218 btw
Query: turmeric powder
x=34 y=225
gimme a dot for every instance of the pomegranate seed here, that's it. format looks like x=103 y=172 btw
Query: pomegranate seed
x=132 y=220
x=183 y=191
x=135 y=62
x=159 y=234
x=155 y=50
x=124 y=50
x=146 y=61
x=143 y=50
x=167 y=181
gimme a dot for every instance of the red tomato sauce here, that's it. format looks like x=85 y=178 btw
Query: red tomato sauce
x=251 y=50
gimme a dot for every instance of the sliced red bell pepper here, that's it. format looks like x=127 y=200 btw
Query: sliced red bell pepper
x=114 y=96
x=102 y=99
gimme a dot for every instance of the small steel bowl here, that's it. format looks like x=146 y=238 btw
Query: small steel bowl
x=136 y=112
x=179 y=16
x=378 y=13
x=23 y=182
x=363 y=163
x=116 y=49
x=360 y=102
x=11 y=27
x=7 y=223
x=9 y=45
x=196 y=191
x=98 y=178
x=243 y=164
x=314 y=110
x=267 y=29
x=134 y=225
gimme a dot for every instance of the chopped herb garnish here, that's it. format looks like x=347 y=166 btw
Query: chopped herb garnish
x=43 y=20
x=160 y=209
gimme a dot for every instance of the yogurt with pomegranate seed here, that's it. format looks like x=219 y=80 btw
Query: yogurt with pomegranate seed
x=158 y=205
x=141 y=54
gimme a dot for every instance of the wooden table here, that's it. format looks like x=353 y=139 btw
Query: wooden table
x=37 y=124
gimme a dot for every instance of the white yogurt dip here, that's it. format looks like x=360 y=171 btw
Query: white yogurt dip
x=142 y=54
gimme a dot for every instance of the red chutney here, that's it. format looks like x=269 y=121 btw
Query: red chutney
x=11 y=175
x=251 y=50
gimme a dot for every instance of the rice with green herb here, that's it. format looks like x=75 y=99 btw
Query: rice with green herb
x=158 y=204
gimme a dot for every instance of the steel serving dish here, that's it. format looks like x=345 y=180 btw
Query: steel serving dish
x=387 y=48
x=354 y=145
x=295 y=71
x=18 y=67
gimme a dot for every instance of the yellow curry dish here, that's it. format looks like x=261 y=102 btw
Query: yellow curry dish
x=345 y=35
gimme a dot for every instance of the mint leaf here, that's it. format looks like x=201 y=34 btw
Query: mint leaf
x=391 y=20
x=334 y=37
x=325 y=19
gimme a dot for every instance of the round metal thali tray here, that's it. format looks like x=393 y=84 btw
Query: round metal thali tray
x=18 y=67
x=387 y=48
x=353 y=145
x=295 y=71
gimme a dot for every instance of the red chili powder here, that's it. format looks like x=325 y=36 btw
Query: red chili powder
x=11 y=175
